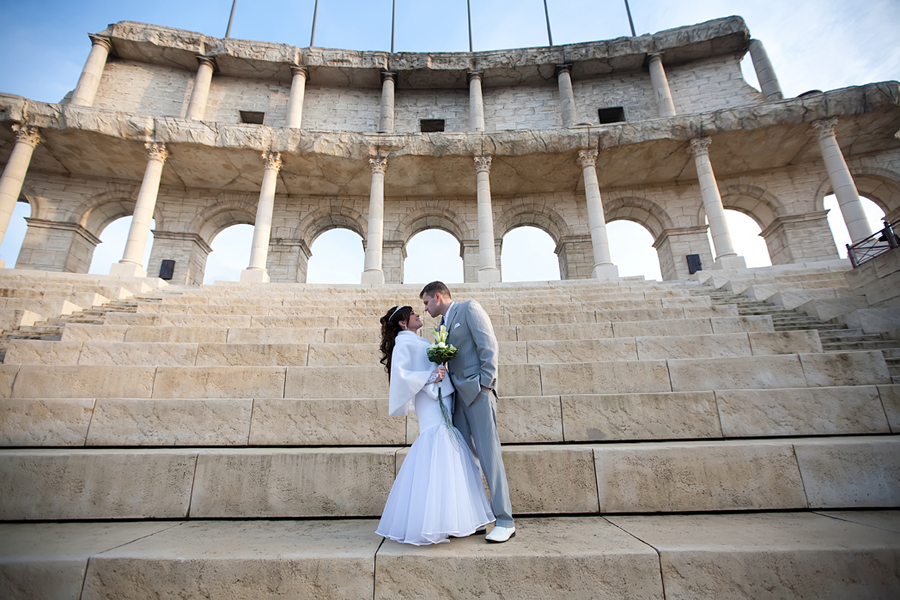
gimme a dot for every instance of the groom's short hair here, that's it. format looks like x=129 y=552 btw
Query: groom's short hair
x=435 y=287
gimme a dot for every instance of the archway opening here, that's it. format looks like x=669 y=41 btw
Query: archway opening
x=874 y=215
x=528 y=254
x=15 y=233
x=112 y=245
x=631 y=249
x=230 y=254
x=433 y=254
x=337 y=257
x=745 y=238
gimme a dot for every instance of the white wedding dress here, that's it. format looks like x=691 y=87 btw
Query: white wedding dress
x=438 y=492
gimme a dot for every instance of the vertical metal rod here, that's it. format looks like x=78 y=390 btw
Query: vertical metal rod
x=230 y=19
x=547 y=15
x=312 y=36
x=393 y=22
x=469 y=7
x=630 y=22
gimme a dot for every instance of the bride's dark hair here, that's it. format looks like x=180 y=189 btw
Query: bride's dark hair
x=390 y=327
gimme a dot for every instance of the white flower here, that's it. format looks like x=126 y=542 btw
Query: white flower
x=441 y=345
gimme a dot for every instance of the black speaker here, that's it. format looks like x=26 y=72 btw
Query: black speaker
x=167 y=270
x=694 y=263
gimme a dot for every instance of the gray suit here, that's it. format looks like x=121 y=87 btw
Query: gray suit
x=475 y=412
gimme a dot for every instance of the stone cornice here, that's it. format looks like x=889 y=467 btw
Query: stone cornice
x=676 y=231
x=63 y=225
x=182 y=236
x=782 y=220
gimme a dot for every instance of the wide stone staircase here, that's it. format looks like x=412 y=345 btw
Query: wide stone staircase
x=233 y=441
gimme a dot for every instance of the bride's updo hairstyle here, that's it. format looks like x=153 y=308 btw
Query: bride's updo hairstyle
x=390 y=327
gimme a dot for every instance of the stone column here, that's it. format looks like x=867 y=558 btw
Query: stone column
x=375 y=233
x=295 y=103
x=132 y=263
x=603 y=267
x=92 y=72
x=842 y=181
x=726 y=257
x=765 y=74
x=386 y=120
x=27 y=137
x=566 y=95
x=660 y=83
x=262 y=228
x=200 y=93
x=487 y=262
x=476 y=102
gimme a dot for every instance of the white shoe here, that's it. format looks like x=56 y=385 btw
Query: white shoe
x=500 y=534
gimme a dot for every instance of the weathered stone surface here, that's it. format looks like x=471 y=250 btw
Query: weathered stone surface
x=136 y=353
x=170 y=422
x=95 y=484
x=785 y=342
x=551 y=479
x=788 y=555
x=850 y=473
x=587 y=331
x=334 y=382
x=662 y=327
x=594 y=418
x=888 y=520
x=193 y=335
x=44 y=421
x=339 y=355
x=36 y=352
x=739 y=324
x=325 y=422
x=553 y=558
x=518 y=380
x=560 y=351
x=605 y=377
x=890 y=399
x=756 y=372
x=845 y=368
x=257 y=355
x=287 y=335
x=801 y=411
x=76 y=332
x=7 y=377
x=698 y=476
x=693 y=346
x=43 y=381
x=326 y=482
x=529 y=419
x=251 y=559
x=219 y=382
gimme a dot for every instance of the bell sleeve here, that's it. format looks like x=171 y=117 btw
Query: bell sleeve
x=407 y=377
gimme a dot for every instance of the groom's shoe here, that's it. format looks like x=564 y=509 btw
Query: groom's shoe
x=500 y=534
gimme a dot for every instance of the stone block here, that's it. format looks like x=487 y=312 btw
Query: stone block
x=551 y=479
x=251 y=355
x=611 y=417
x=529 y=419
x=850 y=473
x=890 y=399
x=753 y=372
x=173 y=320
x=191 y=335
x=624 y=377
x=587 y=331
x=552 y=318
x=44 y=421
x=7 y=378
x=366 y=335
x=801 y=411
x=299 y=482
x=698 y=476
x=717 y=311
x=831 y=308
x=37 y=352
x=693 y=346
x=44 y=381
x=219 y=382
x=334 y=382
x=132 y=319
x=560 y=351
x=551 y=558
x=785 y=342
x=95 y=484
x=290 y=335
x=304 y=322
x=325 y=422
x=518 y=380
x=845 y=368
x=739 y=324
x=331 y=560
x=674 y=327
x=786 y=555
x=337 y=355
x=138 y=353
x=170 y=422
x=76 y=332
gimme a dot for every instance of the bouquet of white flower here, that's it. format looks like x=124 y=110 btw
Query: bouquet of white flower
x=441 y=352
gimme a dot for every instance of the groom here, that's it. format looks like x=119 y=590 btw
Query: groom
x=473 y=373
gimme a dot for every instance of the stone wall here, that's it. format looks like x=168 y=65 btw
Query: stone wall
x=710 y=84
x=230 y=95
x=348 y=109
x=144 y=89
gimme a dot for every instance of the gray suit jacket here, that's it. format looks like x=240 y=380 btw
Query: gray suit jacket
x=475 y=364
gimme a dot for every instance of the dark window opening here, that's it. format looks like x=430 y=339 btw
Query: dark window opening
x=431 y=125
x=613 y=114
x=250 y=116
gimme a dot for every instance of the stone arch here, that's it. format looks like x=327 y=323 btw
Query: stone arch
x=640 y=210
x=533 y=212
x=420 y=219
x=36 y=202
x=881 y=186
x=229 y=209
x=329 y=217
x=758 y=204
x=118 y=201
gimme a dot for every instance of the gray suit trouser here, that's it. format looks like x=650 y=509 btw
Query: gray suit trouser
x=477 y=422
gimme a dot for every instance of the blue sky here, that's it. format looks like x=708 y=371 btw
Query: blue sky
x=813 y=44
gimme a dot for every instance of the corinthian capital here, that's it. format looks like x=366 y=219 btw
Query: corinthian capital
x=700 y=146
x=273 y=160
x=379 y=164
x=587 y=158
x=157 y=151
x=824 y=127
x=99 y=40
x=482 y=164
x=27 y=134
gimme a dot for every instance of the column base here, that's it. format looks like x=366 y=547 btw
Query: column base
x=605 y=272
x=127 y=269
x=489 y=275
x=372 y=276
x=254 y=276
x=730 y=262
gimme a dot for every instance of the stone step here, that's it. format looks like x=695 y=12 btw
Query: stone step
x=825 y=554
x=624 y=478
x=846 y=345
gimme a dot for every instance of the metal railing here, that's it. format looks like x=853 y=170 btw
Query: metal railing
x=875 y=245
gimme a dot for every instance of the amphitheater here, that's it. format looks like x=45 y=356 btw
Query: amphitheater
x=723 y=433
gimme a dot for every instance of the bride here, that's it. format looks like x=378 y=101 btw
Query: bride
x=438 y=492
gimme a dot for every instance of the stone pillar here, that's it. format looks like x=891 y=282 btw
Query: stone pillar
x=765 y=74
x=262 y=228
x=295 y=103
x=673 y=247
x=386 y=120
x=392 y=259
x=800 y=238
x=375 y=233
x=566 y=94
x=476 y=102
x=288 y=260
x=726 y=257
x=27 y=137
x=660 y=83
x=487 y=263
x=842 y=181
x=132 y=261
x=603 y=267
x=57 y=246
x=468 y=251
x=575 y=254
x=89 y=81
x=200 y=93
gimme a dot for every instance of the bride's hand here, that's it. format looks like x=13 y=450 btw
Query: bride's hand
x=441 y=371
